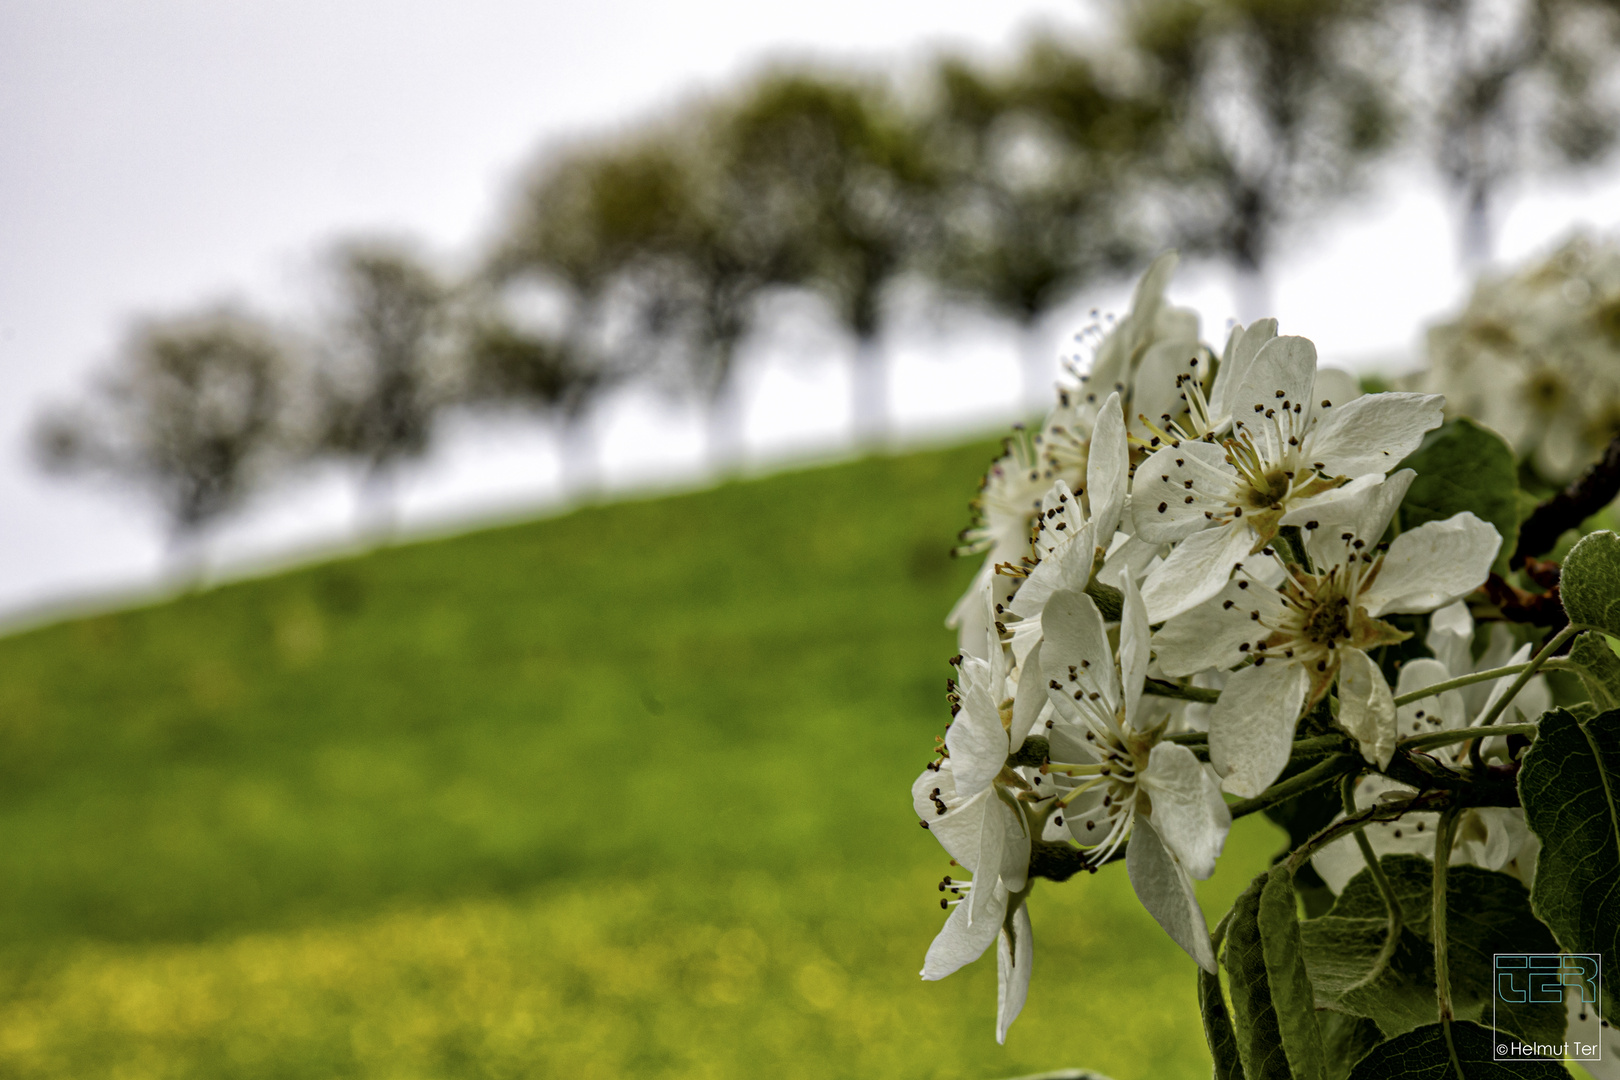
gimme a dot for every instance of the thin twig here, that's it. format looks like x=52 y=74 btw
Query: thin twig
x=1392 y=903
x=1179 y=692
x=1322 y=772
x=1457 y=735
x=1437 y=927
x=1592 y=491
x=1536 y=662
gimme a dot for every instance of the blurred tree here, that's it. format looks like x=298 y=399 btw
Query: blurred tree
x=1278 y=107
x=1036 y=199
x=663 y=264
x=1503 y=88
x=192 y=412
x=508 y=365
x=386 y=365
x=849 y=183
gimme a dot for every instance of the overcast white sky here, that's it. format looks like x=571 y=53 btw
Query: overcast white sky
x=164 y=153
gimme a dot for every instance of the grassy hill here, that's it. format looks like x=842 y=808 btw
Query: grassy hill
x=619 y=793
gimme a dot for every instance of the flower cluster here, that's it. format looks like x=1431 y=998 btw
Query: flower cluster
x=1536 y=356
x=1198 y=560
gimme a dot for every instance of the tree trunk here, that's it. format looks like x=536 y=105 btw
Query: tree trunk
x=1476 y=234
x=723 y=426
x=577 y=467
x=376 y=510
x=1251 y=293
x=1035 y=369
x=185 y=559
x=869 y=401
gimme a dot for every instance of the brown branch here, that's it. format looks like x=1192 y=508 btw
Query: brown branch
x=1517 y=605
x=1592 y=491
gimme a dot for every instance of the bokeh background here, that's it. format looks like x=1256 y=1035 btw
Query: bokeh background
x=479 y=487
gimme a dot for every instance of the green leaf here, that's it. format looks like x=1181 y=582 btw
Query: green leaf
x=1463 y=466
x=1590 y=582
x=1422 y=1054
x=1570 y=787
x=1304 y=816
x=1598 y=668
x=1346 y=1040
x=1272 y=997
x=1259 y=1039
x=1291 y=991
x=1487 y=913
x=1223 y=1045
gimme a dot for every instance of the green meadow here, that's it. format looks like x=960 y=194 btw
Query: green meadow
x=618 y=793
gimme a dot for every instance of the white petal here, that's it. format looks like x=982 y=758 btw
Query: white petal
x=1342 y=860
x=1343 y=504
x=1241 y=349
x=1584 y=1025
x=960 y=830
x=976 y=739
x=1087 y=808
x=1447 y=707
x=1251 y=728
x=1015 y=850
x=1500 y=687
x=1486 y=837
x=1130 y=556
x=1336 y=387
x=1166 y=891
x=1015 y=955
x=1074 y=633
x=1191 y=817
x=1161 y=482
x=1156 y=391
x=1134 y=647
x=1372 y=434
x=1029 y=700
x=1065 y=567
x=1366 y=707
x=1432 y=565
x=973 y=616
x=1107 y=469
x=987 y=864
x=1363 y=511
x=1451 y=637
x=1210 y=635
x=968 y=604
x=1197 y=569
x=1338 y=862
x=959 y=943
x=929 y=781
x=1283 y=363
x=1500 y=644
x=1114 y=354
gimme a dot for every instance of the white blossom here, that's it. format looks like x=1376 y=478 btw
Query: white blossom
x=1290 y=640
x=1288 y=451
x=1130 y=787
x=1494 y=837
x=1536 y=356
x=970 y=802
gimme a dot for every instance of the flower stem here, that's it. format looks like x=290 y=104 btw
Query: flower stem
x=1424 y=802
x=1392 y=903
x=1536 y=661
x=1446 y=738
x=1475 y=757
x=1442 y=973
x=1322 y=772
x=1459 y=682
x=1179 y=692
